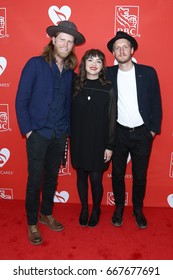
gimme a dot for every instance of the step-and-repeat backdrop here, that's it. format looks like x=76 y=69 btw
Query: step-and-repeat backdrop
x=22 y=35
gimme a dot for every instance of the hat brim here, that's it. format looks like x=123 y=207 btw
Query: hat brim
x=79 y=38
x=124 y=36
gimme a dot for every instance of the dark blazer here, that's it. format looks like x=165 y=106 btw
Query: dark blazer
x=148 y=94
x=35 y=94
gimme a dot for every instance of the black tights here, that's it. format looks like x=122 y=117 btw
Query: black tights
x=96 y=187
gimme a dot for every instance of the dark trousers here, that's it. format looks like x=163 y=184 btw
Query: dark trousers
x=96 y=187
x=44 y=159
x=138 y=143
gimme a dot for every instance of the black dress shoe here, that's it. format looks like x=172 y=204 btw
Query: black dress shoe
x=94 y=219
x=141 y=221
x=83 y=218
x=117 y=218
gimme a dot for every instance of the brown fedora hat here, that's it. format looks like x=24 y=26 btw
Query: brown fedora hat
x=122 y=35
x=68 y=27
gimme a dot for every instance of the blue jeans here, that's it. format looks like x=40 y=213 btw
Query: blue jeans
x=44 y=159
x=138 y=143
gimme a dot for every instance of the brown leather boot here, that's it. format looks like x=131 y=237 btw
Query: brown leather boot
x=50 y=222
x=34 y=235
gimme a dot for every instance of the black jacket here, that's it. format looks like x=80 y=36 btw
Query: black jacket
x=148 y=94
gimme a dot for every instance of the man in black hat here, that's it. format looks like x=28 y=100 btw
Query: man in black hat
x=138 y=121
x=43 y=113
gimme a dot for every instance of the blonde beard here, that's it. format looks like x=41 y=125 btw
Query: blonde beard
x=61 y=54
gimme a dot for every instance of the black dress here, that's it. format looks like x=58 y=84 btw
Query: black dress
x=93 y=122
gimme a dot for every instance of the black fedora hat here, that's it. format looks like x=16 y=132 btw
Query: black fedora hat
x=122 y=35
x=68 y=27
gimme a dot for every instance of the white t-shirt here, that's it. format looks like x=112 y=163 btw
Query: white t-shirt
x=128 y=110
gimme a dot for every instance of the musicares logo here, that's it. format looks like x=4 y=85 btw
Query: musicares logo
x=61 y=197
x=170 y=200
x=3 y=64
x=4 y=156
x=59 y=14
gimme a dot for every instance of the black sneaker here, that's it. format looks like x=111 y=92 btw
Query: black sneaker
x=141 y=221
x=117 y=218
x=83 y=218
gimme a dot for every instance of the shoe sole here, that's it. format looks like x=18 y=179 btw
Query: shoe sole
x=92 y=226
x=35 y=244
x=117 y=225
x=83 y=225
x=141 y=227
x=54 y=229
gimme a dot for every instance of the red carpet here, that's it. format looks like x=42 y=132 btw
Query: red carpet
x=104 y=242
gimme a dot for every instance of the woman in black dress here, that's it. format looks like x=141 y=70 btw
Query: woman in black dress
x=93 y=131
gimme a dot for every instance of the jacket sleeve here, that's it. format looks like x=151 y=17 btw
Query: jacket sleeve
x=23 y=96
x=156 y=104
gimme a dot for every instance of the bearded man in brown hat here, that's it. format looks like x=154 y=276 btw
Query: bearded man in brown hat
x=43 y=113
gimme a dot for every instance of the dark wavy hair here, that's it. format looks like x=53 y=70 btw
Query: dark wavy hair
x=80 y=79
x=69 y=62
